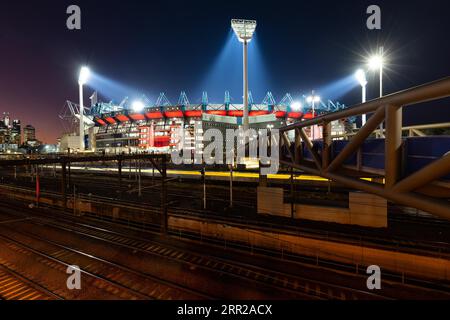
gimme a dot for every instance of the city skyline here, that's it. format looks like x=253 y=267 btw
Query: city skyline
x=26 y=132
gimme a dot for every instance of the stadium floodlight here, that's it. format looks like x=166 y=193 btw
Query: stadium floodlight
x=82 y=80
x=84 y=75
x=244 y=30
x=312 y=100
x=360 y=75
x=376 y=63
x=138 y=106
x=296 y=106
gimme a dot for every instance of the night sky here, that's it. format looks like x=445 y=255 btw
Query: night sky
x=153 y=46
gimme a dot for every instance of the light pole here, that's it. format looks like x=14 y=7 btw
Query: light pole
x=244 y=30
x=360 y=75
x=82 y=80
x=376 y=63
x=312 y=100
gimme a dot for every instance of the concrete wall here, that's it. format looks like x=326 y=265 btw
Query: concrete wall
x=364 y=209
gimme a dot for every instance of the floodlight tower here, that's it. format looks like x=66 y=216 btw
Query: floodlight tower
x=244 y=30
x=82 y=80
x=360 y=75
x=376 y=63
x=313 y=99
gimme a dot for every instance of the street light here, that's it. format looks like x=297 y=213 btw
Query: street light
x=360 y=75
x=244 y=30
x=82 y=80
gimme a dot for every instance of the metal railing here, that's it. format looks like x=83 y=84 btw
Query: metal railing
x=419 y=190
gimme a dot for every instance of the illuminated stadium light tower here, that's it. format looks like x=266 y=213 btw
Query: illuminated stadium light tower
x=360 y=75
x=138 y=106
x=82 y=80
x=312 y=100
x=296 y=106
x=376 y=63
x=244 y=30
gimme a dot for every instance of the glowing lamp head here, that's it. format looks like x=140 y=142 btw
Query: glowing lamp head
x=360 y=75
x=296 y=106
x=84 y=75
x=312 y=99
x=376 y=62
x=244 y=29
x=138 y=106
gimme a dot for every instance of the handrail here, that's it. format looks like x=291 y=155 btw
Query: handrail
x=418 y=190
x=431 y=91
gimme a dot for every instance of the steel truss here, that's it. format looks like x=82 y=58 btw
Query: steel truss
x=421 y=190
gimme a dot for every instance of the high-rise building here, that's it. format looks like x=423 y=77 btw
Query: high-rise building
x=10 y=133
x=16 y=133
x=29 y=134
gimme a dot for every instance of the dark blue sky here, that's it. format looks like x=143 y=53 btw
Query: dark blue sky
x=153 y=46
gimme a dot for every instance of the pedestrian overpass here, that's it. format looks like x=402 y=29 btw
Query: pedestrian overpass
x=412 y=170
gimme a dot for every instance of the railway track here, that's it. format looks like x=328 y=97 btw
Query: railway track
x=353 y=235
x=341 y=233
x=14 y=286
x=300 y=287
x=133 y=242
x=114 y=281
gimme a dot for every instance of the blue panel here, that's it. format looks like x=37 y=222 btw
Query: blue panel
x=373 y=153
x=317 y=145
x=422 y=151
x=428 y=146
x=338 y=146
